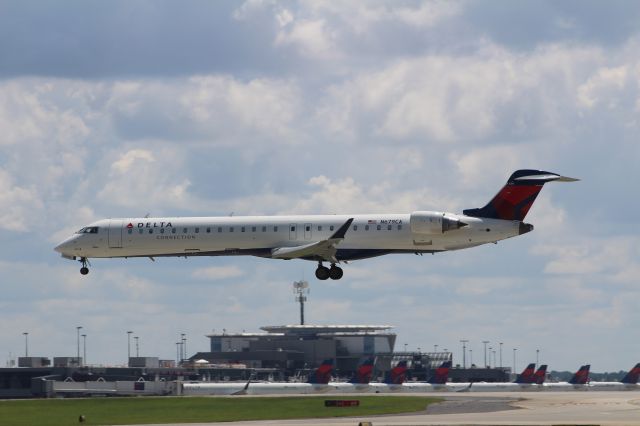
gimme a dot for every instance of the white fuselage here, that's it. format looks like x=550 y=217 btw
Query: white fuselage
x=367 y=236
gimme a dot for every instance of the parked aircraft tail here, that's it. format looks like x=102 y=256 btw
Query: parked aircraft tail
x=516 y=198
x=527 y=374
x=364 y=372
x=632 y=376
x=582 y=376
x=540 y=375
x=397 y=375
x=441 y=374
x=322 y=375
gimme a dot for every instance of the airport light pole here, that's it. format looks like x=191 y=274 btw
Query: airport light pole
x=128 y=346
x=514 y=360
x=484 y=342
x=537 y=355
x=494 y=359
x=26 y=344
x=78 y=328
x=470 y=357
x=490 y=356
x=137 y=348
x=464 y=352
x=177 y=353
x=500 y=354
x=84 y=349
x=183 y=339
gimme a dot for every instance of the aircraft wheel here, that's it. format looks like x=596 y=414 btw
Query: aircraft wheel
x=84 y=270
x=335 y=273
x=322 y=273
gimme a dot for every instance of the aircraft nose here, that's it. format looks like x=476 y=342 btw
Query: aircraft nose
x=64 y=247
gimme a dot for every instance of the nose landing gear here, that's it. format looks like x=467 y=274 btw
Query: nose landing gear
x=323 y=273
x=85 y=262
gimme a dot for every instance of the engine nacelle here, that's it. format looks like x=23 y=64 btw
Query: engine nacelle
x=434 y=223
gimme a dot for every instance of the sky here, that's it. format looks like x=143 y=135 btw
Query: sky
x=199 y=108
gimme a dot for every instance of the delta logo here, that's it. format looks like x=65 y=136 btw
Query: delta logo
x=151 y=225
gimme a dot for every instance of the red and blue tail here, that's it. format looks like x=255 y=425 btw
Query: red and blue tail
x=540 y=375
x=516 y=198
x=441 y=374
x=632 y=376
x=582 y=376
x=364 y=372
x=527 y=374
x=397 y=375
x=322 y=375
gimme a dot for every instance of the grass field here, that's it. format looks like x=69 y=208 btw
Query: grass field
x=114 y=411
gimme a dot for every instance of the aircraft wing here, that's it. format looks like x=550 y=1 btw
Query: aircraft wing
x=324 y=249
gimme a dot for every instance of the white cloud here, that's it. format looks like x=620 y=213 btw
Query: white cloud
x=217 y=272
x=18 y=206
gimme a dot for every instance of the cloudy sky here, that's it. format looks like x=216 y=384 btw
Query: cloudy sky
x=125 y=108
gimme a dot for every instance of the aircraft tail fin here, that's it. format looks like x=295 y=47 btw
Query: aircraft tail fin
x=540 y=375
x=364 y=372
x=441 y=374
x=582 y=376
x=397 y=375
x=527 y=374
x=516 y=198
x=322 y=375
x=632 y=376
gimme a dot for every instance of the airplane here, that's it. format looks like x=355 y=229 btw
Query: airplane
x=579 y=381
x=525 y=381
x=334 y=239
x=540 y=376
x=361 y=378
x=628 y=382
x=393 y=380
x=317 y=382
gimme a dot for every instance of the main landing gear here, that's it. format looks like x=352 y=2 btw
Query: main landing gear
x=322 y=272
x=84 y=270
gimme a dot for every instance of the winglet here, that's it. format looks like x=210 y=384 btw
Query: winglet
x=339 y=234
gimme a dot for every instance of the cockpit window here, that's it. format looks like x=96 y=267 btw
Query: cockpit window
x=88 y=230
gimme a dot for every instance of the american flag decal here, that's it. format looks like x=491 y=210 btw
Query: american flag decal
x=372 y=222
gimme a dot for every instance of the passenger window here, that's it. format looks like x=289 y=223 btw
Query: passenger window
x=293 y=228
x=162 y=230
x=219 y=228
x=140 y=230
x=173 y=230
x=366 y=227
x=208 y=230
x=319 y=227
x=331 y=228
x=308 y=228
x=129 y=231
x=264 y=229
x=388 y=227
x=151 y=230
x=378 y=227
x=184 y=230
x=242 y=229
x=197 y=230
x=253 y=229
x=399 y=227
x=355 y=227
x=231 y=229
x=275 y=229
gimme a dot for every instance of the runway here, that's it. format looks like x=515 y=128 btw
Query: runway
x=508 y=408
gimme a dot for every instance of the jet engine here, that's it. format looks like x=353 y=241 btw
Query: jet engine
x=434 y=223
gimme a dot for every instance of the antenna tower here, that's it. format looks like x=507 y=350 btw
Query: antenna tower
x=301 y=289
